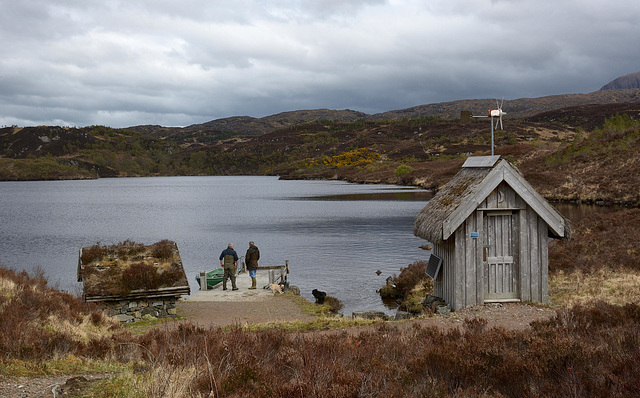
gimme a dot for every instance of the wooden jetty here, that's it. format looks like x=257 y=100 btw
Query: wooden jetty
x=265 y=275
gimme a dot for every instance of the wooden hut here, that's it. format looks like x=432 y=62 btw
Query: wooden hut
x=490 y=231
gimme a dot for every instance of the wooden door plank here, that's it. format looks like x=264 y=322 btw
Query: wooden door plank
x=523 y=252
x=480 y=277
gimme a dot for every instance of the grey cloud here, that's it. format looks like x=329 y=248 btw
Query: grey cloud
x=176 y=63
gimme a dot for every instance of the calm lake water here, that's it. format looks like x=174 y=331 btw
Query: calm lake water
x=335 y=235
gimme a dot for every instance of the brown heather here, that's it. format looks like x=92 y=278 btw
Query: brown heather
x=38 y=322
x=128 y=266
x=410 y=277
x=581 y=352
x=584 y=351
x=163 y=249
x=409 y=288
x=600 y=242
x=587 y=350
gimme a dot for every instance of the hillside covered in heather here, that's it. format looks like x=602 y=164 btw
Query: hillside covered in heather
x=585 y=152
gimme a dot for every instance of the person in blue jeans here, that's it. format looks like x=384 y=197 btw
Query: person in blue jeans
x=229 y=261
x=252 y=257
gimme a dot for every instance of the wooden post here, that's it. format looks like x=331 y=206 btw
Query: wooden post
x=272 y=276
x=203 y=280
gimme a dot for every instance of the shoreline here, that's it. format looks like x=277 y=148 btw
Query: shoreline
x=604 y=202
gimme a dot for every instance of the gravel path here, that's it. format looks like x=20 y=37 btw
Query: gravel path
x=510 y=316
x=216 y=307
x=272 y=308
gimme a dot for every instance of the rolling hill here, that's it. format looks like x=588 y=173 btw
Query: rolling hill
x=249 y=126
x=571 y=147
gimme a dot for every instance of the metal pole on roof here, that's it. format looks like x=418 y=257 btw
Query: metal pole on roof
x=491 y=135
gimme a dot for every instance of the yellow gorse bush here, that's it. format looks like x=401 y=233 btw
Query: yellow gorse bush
x=349 y=158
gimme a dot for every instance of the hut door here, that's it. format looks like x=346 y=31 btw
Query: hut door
x=500 y=266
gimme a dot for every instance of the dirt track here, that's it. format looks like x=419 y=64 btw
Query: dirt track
x=217 y=307
x=222 y=313
x=221 y=308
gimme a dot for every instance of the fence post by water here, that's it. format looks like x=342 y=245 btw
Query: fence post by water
x=203 y=280
x=272 y=276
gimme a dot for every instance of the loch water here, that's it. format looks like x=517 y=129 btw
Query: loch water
x=335 y=235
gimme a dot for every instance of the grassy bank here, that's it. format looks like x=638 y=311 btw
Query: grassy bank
x=600 y=263
x=40 y=169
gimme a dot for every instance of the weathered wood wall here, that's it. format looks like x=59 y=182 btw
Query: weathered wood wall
x=534 y=258
x=443 y=285
x=461 y=281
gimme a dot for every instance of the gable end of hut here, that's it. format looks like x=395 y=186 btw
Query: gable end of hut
x=489 y=199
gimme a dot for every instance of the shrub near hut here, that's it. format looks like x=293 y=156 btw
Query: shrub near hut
x=409 y=288
x=133 y=280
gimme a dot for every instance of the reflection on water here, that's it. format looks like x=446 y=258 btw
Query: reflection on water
x=575 y=212
x=390 y=303
x=411 y=195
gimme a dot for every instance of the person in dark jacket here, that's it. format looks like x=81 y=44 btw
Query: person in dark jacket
x=229 y=260
x=252 y=257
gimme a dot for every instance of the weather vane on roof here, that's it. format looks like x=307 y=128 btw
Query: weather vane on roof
x=495 y=113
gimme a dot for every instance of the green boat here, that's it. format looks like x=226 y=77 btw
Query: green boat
x=213 y=277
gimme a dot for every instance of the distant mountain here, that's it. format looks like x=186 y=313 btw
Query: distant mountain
x=249 y=126
x=246 y=125
x=631 y=80
x=518 y=108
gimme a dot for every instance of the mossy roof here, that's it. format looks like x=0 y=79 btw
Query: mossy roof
x=462 y=195
x=130 y=268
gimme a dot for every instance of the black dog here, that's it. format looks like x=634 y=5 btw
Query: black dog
x=319 y=296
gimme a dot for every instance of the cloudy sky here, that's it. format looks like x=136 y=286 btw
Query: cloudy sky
x=175 y=63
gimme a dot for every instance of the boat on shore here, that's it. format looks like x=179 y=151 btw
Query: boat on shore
x=214 y=277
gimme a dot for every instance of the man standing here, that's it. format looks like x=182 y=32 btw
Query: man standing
x=230 y=258
x=252 y=257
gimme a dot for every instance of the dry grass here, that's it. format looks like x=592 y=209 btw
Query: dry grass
x=601 y=262
x=38 y=322
x=127 y=384
x=174 y=382
x=7 y=287
x=568 y=289
x=92 y=326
